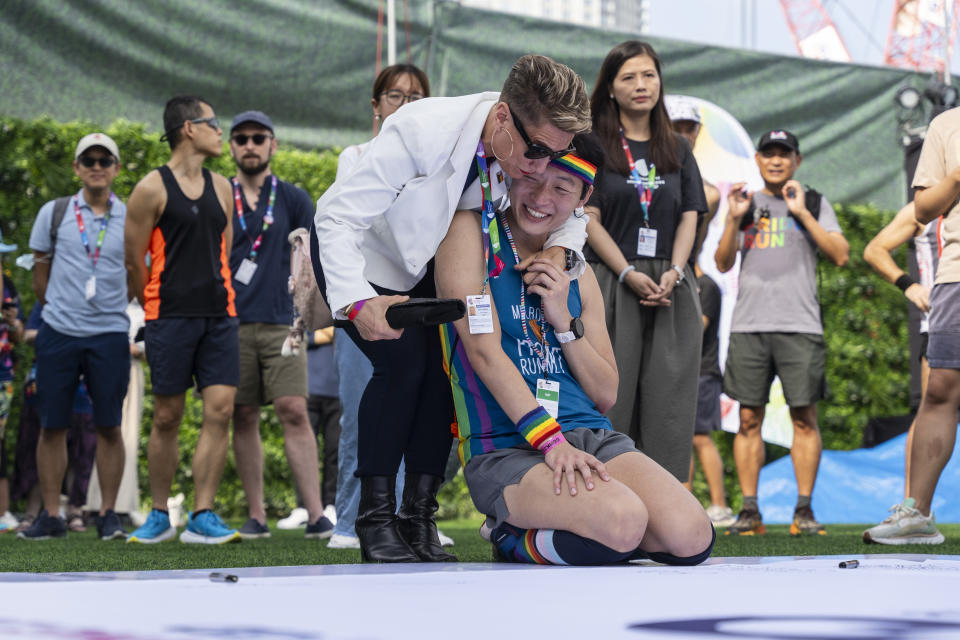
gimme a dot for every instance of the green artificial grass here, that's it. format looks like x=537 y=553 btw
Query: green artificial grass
x=83 y=552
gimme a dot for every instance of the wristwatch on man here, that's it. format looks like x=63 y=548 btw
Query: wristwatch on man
x=575 y=332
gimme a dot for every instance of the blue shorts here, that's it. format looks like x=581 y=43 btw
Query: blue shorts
x=181 y=350
x=104 y=362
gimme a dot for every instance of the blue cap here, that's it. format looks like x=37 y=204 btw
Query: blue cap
x=256 y=117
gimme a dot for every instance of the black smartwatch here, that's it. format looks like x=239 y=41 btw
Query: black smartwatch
x=575 y=332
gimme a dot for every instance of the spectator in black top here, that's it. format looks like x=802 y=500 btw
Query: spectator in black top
x=643 y=219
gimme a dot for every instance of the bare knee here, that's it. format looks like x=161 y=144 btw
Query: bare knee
x=804 y=419
x=941 y=389
x=217 y=413
x=167 y=415
x=291 y=412
x=245 y=418
x=109 y=435
x=693 y=539
x=625 y=526
x=750 y=421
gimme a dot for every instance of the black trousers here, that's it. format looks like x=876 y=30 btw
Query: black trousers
x=407 y=408
x=324 y=413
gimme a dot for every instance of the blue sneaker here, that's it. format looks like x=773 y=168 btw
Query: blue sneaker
x=156 y=529
x=208 y=528
x=44 y=528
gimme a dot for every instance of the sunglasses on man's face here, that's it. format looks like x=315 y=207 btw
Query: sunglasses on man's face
x=534 y=150
x=211 y=122
x=258 y=138
x=105 y=162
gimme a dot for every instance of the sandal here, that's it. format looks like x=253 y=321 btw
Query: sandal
x=75 y=523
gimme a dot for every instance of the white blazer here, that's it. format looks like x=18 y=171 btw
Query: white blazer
x=383 y=221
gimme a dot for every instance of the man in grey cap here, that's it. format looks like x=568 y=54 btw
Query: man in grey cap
x=267 y=210
x=79 y=277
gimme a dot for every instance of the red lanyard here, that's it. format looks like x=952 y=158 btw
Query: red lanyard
x=644 y=192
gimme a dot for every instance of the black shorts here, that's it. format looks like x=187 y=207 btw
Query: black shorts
x=104 y=362
x=709 y=417
x=181 y=350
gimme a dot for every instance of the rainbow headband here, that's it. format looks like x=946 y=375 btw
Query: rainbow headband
x=577 y=166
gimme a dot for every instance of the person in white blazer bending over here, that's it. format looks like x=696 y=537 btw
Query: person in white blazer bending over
x=376 y=232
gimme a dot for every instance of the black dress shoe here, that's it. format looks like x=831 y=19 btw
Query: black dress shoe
x=417 y=524
x=377 y=523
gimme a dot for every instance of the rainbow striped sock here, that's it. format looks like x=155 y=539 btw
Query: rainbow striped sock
x=552 y=546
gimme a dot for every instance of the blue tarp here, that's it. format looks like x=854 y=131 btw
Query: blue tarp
x=855 y=486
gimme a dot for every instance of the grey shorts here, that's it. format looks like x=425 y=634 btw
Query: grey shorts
x=943 y=348
x=487 y=475
x=753 y=359
x=709 y=417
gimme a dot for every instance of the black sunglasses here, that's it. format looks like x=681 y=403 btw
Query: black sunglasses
x=105 y=162
x=536 y=151
x=258 y=138
x=211 y=122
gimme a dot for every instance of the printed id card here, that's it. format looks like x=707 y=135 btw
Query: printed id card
x=245 y=273
x=647 y=242
x=90 y=289
x=479 y=314
x=548 y=396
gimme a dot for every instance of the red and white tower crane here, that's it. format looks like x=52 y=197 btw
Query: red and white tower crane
x=813 y=31
x=921 y=34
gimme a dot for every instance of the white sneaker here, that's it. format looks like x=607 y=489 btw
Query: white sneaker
x=8 y=521
x=445 y=540
x=905 y=525
x=721 y=516
x=297 y=518
x=330 y=513
x=486 y=531
x=341 y=541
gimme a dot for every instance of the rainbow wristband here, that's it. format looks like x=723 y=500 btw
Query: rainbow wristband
x=355 y=309
x=537 y=427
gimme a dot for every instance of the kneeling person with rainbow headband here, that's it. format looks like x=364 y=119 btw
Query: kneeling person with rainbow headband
x=532 y=371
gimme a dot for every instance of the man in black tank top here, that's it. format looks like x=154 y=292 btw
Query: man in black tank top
x=181 y=212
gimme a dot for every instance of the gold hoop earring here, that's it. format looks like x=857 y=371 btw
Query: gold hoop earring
x=493 y=146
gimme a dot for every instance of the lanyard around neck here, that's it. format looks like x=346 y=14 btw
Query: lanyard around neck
x=491 y=237
x=101 y=234
x=267 y=218
x=540 y=330
x=644 y=186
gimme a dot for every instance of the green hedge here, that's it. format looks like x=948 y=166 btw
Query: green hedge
x=865 y=318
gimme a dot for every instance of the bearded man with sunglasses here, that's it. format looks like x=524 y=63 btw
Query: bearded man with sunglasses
x=84 y=330
x=183 y=212
x=267 y=210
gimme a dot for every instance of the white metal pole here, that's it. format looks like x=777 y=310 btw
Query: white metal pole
x=391 y=32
